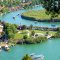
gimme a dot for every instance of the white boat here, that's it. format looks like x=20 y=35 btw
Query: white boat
x=40 y=57
x=0 y=47
x=6 y=47
x=37 y=57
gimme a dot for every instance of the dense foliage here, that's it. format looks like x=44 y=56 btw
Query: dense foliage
x=52 y=6
x=9 y=3
x=32 y=40
x=10 y=30
x=27 y=57
x=57 y=35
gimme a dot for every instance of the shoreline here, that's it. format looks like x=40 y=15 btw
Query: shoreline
x=38 y=20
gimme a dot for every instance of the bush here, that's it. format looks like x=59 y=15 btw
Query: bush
x=35 y=40
x=57 y=35
x=32 y=33
x=27 y=57
x=25 y=37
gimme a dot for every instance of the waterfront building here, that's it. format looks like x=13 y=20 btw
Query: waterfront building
x=1 y=29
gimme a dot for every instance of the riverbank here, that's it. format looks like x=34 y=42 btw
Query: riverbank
x=26 y=34
x=33 y=36
x=39 y=16
x=48 y=49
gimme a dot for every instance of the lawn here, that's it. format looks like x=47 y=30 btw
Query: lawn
x=44 y=32
x=24 y=32
x=20 y=35
x=41 y=14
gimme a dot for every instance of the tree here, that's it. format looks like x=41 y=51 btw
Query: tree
x=32 y=33
x=36 y=2
x=30 y=27
x=52 y=7
x=25 y=37
x=27 y=57
x=24 y=27
x=47 y=33
x=10 y=30
x=14 y=29
x=57 y=34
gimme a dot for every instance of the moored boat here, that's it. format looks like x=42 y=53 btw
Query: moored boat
x=37 y=57
x=0 y=48
x=6 y=48
x=13 y=17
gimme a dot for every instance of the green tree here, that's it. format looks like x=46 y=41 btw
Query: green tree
x=52 y=7
x=47 y=33
x=24 y=27
x=25 y=37
x=30 y=27
x=10 y=30
x=57 y=35
x=27 y=57
x=32 y=33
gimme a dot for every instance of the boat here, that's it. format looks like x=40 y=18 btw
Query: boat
x=18 y=14
x=37 y=57
x=6 y=48
x=53 y=25
x=13 y=17
x=35 y=22
x=0 y=48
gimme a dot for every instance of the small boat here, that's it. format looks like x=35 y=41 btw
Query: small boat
x=35 y=22
x=37 y=57
x=53 y=25
x=13 y=17
x=40 y=57
x=6 y=48
x=0 y=48
x=18 y=14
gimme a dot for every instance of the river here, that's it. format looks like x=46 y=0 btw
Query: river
x=50 y=49
x=18 y=20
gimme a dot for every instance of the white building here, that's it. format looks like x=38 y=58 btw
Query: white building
x=1 y=29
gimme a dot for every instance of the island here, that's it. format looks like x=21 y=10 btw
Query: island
x=40 y=16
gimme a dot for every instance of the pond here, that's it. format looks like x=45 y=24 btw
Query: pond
x=18 y=20
x=50 y=49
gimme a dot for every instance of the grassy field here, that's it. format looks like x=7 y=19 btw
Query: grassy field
x=24 y=32
x=20 y=35
x=44 y=32
x=41 y=14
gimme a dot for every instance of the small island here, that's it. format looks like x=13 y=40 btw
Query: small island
x=40 y=16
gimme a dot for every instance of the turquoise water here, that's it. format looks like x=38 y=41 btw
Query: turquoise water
x=18 y=20
x=50 y=49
